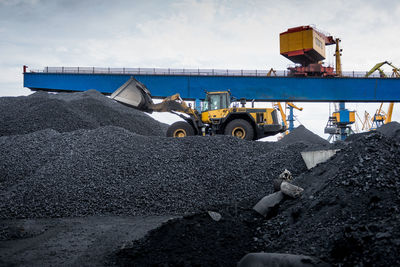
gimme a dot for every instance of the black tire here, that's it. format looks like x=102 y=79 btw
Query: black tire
x=240 y=128
x=180 y=129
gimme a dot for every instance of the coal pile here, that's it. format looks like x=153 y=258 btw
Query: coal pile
x=195 y=240
x=391 y=130
x=66 y=112
x=110 y=170
x=81 y=154
x=302 y=134
x=349 y=213
x=348 y=216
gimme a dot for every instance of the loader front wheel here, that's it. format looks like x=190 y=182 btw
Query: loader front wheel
x=240 y=128
x=180 y=129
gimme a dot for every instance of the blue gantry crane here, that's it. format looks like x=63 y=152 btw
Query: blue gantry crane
x=308 y=81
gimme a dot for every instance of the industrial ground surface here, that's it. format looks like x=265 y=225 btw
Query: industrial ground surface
x=84 y=179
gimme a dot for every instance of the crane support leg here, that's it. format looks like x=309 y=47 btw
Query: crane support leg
x=342 y=107
x=291 y=119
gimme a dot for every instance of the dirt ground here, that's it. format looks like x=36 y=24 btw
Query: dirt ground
x=86 y=241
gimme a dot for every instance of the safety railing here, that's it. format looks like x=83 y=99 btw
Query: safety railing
x=193 y=72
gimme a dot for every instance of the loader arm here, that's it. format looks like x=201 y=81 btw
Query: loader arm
x=173 y=103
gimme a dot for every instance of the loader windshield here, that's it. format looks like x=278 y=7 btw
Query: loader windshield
x=216 y=101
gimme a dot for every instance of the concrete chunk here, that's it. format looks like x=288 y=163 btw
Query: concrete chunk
x=312 y=158
x=291 y=190
x=267 y=203
x=279 y=260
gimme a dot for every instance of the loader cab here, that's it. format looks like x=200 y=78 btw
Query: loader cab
x=216 y=100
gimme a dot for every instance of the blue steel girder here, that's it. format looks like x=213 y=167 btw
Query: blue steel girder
x=249 y=87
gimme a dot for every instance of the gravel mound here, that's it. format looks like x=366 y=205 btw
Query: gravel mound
x=110 y=170
x=302 y=134
x=66 y=112
x=349 y=213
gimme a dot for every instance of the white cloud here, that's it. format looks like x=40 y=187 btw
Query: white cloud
x=18 y=2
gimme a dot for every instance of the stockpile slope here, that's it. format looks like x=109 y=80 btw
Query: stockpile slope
x=302 y=134
x=349 y=213
x=66 y=112
x=195 y=240
x=391 y=130
x=110 y=170
x=347 y=216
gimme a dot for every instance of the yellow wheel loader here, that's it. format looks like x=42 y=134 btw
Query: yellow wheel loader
x=217 y=116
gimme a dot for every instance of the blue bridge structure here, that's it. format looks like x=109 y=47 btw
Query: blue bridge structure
x=191 y=83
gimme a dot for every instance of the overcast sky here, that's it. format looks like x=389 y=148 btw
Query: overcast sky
x=190 y=34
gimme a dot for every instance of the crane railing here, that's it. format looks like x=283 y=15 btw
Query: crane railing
x=192 y=72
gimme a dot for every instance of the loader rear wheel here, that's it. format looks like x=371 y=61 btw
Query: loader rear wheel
x=240 y=128
x=180 y=129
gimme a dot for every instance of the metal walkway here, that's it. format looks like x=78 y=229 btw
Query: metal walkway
x=192 y=72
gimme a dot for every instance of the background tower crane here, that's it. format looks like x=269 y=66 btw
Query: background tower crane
x=380 y=117
x=338 y=125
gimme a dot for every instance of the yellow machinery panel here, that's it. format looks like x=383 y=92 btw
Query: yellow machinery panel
x=302 y=45
x=207 y=116
x=345 y=116
x=319 y=44
x=294 y=41
x=337 y=116
x=352 y=116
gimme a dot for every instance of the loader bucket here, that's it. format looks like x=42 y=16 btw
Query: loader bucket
x=134 y=94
